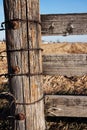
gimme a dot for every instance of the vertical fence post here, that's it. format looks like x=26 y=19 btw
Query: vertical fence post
x=23 y=36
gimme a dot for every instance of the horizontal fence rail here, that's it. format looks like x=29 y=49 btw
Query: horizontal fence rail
x=66 y=106
x=64 y=24
x=65 y=64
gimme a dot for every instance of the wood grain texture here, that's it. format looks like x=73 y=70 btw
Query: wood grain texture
x=61 y=24
x=66 y=106
x=65 y=64
x=26 y=89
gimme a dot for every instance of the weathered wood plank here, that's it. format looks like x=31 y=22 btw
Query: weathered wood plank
x=66 y=106
x=65 y=64
x=64 y=24
x=25 y=84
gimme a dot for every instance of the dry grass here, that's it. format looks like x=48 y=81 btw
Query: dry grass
x=64 y=48
x=65 y=85
x=55 y=84
x=63 y=125
x=3 y=63
x=61 y=84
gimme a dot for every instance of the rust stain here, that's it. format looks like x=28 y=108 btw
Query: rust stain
x=14 y=25
x=34 y=90
x=20 y=116
x=33 y=35
x=15 y=69
x=18 y=5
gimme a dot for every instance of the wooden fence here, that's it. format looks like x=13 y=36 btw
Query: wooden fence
x=66 y=106
x=23 y=36
x=65 y=64
x=64 y=24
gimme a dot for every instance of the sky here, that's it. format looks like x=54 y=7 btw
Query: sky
x=2 y=35
x=56 y=7
x=63 y=7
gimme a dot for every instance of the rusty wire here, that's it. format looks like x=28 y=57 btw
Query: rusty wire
x=21 y=74
x=31 y=103
x=22 y=49
x=17 y=50
x=10 y=23
x=26 y=49
x=20 y=20
x=13 y=103
x=11 y=97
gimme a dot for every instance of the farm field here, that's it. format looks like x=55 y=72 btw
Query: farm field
x=57 y=84
x=64 y=48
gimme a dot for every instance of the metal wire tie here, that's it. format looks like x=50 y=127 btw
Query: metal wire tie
x=30 y=49
x=25 y=74
x=18 y=103
x=19 y=20
x=26 y=49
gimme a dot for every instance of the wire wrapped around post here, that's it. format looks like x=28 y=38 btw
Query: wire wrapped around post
x=14 y=23
x=23 y=38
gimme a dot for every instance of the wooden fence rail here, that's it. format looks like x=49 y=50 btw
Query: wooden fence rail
x=69 y=65
x=23 y=37
x=64 y=24
x=65 y=64
x=66 y=106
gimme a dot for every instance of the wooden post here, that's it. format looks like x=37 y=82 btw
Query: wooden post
x=23 y=36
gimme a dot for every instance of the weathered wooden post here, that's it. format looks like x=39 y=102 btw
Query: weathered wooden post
x=23 y=36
